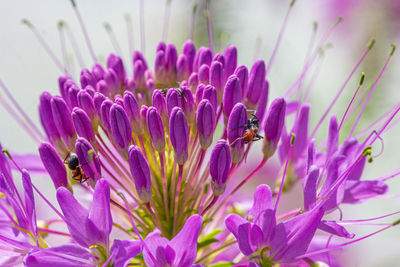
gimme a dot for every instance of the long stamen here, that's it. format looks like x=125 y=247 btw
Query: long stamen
x=345 y=244
x=63 y=48
x=209 y=26
x=142 y=37
x=360 y=60
x=284 y=172
x=85 y=33
x=45 y=46
x=20 y=110
x=351 y=102
x=192 y=22
x=72 y=39
x=278 y=41
x=372 y=90
x=21 y=121
x=113 y=39
x=166 y=19
x=129 y=29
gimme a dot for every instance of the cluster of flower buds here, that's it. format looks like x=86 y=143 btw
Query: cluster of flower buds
x=138 y=144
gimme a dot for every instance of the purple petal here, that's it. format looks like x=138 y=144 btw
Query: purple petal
x=335 y=229
x=153 y=243
x=240 y=229
x=185 y=242
x=100 y=213
x=76 y=217
x=310 y=188
x=299 y=232
x=124 y=251
x=358 y=191
x=69 y=255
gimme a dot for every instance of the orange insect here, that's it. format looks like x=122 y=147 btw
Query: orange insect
x=75 y=167
x=251 y=133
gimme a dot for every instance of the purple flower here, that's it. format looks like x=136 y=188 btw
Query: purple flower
x=205 y=121
x=284 y=241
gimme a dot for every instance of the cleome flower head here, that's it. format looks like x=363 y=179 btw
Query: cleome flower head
x=148 y=165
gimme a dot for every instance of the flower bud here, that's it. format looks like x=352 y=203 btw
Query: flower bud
x=130 y=84
x=217 y=76
x=47 y=120
x=150 y=85
x=140 y=172
x=199 y=93
x=120 y=128
x=137 y=56
x=188 y=104
x=98 y=72
x=173 y=99
x=219 y=58
x=262 y=104
x=161 y=47
x=83 y=125
x=132 y=110
x=98 y=99
x=204 y=74
x=236 y=128
x=118 y=100
x=73 y=91
x=220 y=164
x=159 y=102
x=88 y=160
x=156 y=129
x=243 y=74
x=53 y=164
x=112 y=81
x=182 y=68
x=159 y=67
x=143 y=116
x=171 y=56
x=179 y=135
x=232 y=94
x=273 y=126
x=115 y=62
x=102 y=87
x=63 y=121
x=230 y=56
x=205 y=121
x=87 y=78
x=193 y=81
x=138 y=75
x=203 y=56
x=85 y=102
x=61 y=82
x=189 y=51
x=105 y=113
x=210 y=93
x=256 y=82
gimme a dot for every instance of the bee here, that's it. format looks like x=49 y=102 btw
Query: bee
x=251 y=133
x=164 y=91
x=75 y=167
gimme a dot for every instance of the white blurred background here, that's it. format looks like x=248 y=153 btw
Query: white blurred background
x=27 y=70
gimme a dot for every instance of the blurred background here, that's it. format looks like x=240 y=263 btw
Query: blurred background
x=253 y=26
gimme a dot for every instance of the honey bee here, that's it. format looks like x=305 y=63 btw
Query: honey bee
x=77 y=172
x=251 y=133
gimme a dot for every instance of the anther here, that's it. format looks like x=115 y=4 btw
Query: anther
x=7 y=153
x=362 y=78
x=292 y=139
